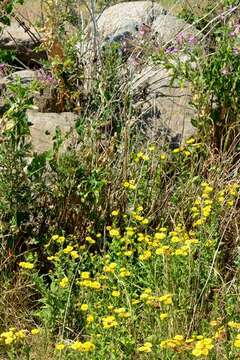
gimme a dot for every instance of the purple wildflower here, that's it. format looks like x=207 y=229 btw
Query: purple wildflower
x=192 y=40
x=144 y=29
x=171 y=50
x=180 y=38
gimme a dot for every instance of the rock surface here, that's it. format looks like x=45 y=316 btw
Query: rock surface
x=16 y=36
x=43 y=126
x=167 y=27
x=26 y=76
x=126 y=17
x=164 y=110
x=22 y=39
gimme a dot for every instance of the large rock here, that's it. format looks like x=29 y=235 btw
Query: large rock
x=126 y=17
x=164 y=111
x=23 y=39
x=19 y=36
x=167 y=27
x=43 y=127
x=25 y=76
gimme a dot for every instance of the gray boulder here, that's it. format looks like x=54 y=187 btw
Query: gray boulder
x=164 y=111
x=43 y=127
x=126 y=17
x=167 y=27
x=16 y=36
x=22 y=39
x=25 y=76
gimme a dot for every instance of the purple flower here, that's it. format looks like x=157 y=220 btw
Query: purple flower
x=171 y=50
x=49 y=78
x=180 y=38
x=44 y=77
x=144 y=29
x=192 y=40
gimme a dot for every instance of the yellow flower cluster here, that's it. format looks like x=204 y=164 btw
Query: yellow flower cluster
x=145 y=256
x=202 y=206
x=113 y=232
x=58 y=239
x=130 y=185
x=199 y=345
x=188 y=148
x=151 y=299
x=229 y=194
x=79 y=346
x=64 y=283
x=234 y=325
x=26 y=265
x=86 y=346
x=237 y=341
x=109 y=322
x=122 y=312
x=11 y=336
x=173 y=343
x=202 y=347
x=146 y=347
x=110 y=268
x=88 y=283
x=141 y=156
x=90 y=240
x=177 y=242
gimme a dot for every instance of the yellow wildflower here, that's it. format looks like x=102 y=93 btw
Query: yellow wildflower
x=60 y=346
x=84 y=307
x=182 y=251
x=26 y=265
x=77 y=345
x=109 y=322
x=190 y=141
x=237 y=341
x=147 y=347
x=64 y=282
x=35 y=331
x=163 y=316
x=85 y=275
x=160 y=235
x=145 y=256
x=74 y=254
x=90 y=318
x=20 y=334
x=114 y=233
x=166 y=299
x=90 y=240
x=110 y=268
x=203 y=347
x=234 y=325
x=88 y=346
x=68 y=249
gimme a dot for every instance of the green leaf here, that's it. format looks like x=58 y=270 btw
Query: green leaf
x=5 y=20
